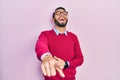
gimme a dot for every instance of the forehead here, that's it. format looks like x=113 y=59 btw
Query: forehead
x=61 y=10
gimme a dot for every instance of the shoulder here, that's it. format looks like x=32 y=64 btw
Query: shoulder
x=71 y=34
x=46 y=32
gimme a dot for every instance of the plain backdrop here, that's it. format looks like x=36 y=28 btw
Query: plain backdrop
x=95 y=22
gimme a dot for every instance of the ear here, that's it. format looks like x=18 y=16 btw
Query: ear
x=52 y=19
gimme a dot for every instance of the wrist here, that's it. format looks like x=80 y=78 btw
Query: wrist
x=46 y=57
x=66 y=65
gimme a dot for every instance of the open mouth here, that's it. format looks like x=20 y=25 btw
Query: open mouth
x=62 y=19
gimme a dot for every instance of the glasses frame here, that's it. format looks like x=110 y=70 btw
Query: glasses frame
x=65 y=13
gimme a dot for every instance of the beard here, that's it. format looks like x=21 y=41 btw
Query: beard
x=60 y=24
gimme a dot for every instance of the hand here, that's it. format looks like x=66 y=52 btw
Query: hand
x=48 y=66
x=60 y=63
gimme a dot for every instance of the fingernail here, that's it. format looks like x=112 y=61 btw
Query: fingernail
x=63 y=76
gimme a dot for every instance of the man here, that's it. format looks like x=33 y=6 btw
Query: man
x=59 y=50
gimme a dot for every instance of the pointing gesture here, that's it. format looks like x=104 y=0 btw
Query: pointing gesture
x=49 y=66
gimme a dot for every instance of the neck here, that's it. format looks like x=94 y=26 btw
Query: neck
x=61 y=29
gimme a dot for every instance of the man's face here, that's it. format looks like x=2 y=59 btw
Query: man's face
x=61 y=18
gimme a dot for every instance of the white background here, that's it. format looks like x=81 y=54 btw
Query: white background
x=95 y=22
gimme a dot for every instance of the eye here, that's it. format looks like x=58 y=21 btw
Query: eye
x=57 y=13
x=65 y=13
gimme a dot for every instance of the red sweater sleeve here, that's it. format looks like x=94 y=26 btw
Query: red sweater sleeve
x=41 y=45
x=78 y=58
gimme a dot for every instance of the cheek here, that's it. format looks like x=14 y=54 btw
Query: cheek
x=66 y=17
x=56 y=17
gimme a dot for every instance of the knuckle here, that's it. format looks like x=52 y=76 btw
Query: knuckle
x=51 y=62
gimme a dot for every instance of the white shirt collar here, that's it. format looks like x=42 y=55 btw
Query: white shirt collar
x=57 y=32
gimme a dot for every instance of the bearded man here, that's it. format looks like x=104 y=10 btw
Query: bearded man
x=59 y=50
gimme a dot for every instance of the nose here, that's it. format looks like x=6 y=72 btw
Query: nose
x=61 y=14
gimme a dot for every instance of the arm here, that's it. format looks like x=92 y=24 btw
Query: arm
x=78 y=58
x=41 y=45
x=47 y=61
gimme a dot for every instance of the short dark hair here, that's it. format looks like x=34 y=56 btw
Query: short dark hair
x=57 y=9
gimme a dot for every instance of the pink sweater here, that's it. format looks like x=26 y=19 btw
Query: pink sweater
x=63 y=46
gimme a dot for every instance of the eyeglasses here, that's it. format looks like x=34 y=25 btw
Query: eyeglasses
x=65 y=13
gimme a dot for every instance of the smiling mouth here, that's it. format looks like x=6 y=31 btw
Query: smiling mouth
x=61 y=22
x=62 y=19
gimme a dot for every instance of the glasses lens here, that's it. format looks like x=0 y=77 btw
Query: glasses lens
x=59 y=13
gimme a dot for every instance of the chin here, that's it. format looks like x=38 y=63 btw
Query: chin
x=61 y=24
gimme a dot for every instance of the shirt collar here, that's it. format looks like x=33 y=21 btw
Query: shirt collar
x=57 y=32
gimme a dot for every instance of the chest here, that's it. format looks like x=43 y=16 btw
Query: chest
x=62 y=46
